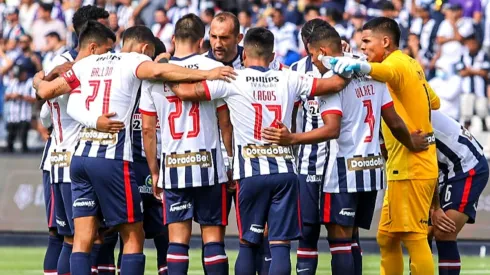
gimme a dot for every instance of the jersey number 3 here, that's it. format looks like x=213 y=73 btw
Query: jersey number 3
x=369 y=119
x=194 y=113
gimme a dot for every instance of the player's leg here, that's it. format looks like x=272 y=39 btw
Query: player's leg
x=23 y=131
x=389 y=244
x=211 y=213
x=481 y=108
x=447 y=247
x=309 y=198
x=96 y=247
x=11 y=134
x=284 y=220
x=252 y=207
x=156 y=230
x=55 y=241
x=105 y=260
x=263 y=258
x=63 y=201
x=467 y=108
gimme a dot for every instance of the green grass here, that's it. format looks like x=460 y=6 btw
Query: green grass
x=28 y=261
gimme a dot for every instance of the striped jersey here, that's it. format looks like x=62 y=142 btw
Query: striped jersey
x=191 y=151
x=237 y=62
x=474 y=83
x=311 y=157
x=19 y=109
x=354 y=162
x=457 y=150
x=67 y=56
x=258 y=98
x=108 y=83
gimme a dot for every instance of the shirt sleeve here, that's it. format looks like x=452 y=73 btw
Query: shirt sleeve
x=444 y=30
x=385 y=72
x=387 y=101
x=330 y=104
x=136 y=61
x=147 y=106
x=216 y=89
x=435 y=102
x=44 y=115
x=220 y=104
x=301 y=84
x=72 y=76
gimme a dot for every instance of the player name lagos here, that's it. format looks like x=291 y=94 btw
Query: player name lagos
x=364 y=163
x=270 y=151
x=202 y=159
x=98 y=137
x=60 y=159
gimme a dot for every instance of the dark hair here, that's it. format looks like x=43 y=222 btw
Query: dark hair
x=334 y=13
x=189 y=27
x=54 y=35
x=259 y=42
x=247 y=12
x=326 y=34
x=311 y=26
x=162 y=10
x=140 y=34
x=209 y=12
x=93 y=31
x=46 y=6
x=385 y=25
x=222 y=16
x=159 y=47
x=86 y=13
x=311 y=8
x=387 y=6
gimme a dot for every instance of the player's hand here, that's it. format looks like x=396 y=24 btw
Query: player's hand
x=346 y=46
x=442 y=221
x=345 y=64
x=231 y=186
x=419 y=141
x=37 y=79
x=61 y=69
x=157 y=191
x=222 y=73
x=163 y=56
x=104 y=124
x=279 y=135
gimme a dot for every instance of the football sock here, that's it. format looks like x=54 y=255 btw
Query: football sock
x=357 y=254
x=105 y=260
x=281 y=261
x=64 y=259
x=342 y=260
x=263 y=258
x=133 y=264
x=80 y=263
x=307 y=254
x=93 y=258
x=161 y=244
x=178 y=258
x=215 y=259
x=245 y=262
x=391 y=253
x=420 y=255
x=449 y=260
x=202 y=259
x=55 y=245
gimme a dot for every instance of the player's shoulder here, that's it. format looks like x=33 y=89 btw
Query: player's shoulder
x=131 y=56
x=206 y=62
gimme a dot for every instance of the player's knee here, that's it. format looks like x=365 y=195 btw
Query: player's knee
x=336 y=231
x=68 y=239
x=384 y=239
x=212 y=234
x=53 y=232
x=280 y=242
x=440 y=235
x=180 y=232
x=311 y=234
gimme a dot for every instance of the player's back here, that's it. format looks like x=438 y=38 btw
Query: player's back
x=108 y=84
x=191 y=151
x=355 y=163
x=457 y=150
x=412 y=100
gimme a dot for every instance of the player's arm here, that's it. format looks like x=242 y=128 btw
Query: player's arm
x=435 y=101
x=44 y=115
x=58 y=71
x=295 y=117
x=50 y=89
x=332 y=85
x=149 y=125
x=226 y=128
x=169 y=72
x=415 y=142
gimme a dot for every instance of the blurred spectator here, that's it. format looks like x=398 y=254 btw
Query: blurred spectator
x=206 y=46
x=311 y=12
x=13 y=30
x=357 y=20
x=334 y=18
x=27 y=13
x=474 y=68
x=54 y=46
x=285 y=38
x=413 y=48
x=356 y=41
x=28 y=60
x=471 y=9
x=163 y=29
x=181 y=8
x=448 y=87
x=44 y=24
x=19 y=98
x=245 y=19
x=118 y=30
x=124 y=13
x=206 y=17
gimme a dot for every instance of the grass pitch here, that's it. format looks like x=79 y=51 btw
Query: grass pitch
x=29 y=261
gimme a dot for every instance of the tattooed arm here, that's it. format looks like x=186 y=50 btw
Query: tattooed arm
x=51 y=89
x=190 y=91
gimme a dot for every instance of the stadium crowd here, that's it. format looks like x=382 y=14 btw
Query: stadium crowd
x=451 y=40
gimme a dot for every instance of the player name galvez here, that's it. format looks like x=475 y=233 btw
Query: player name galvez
x=270 y=151
x=365 y=163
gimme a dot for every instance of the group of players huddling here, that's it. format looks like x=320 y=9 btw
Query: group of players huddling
x=140 y=148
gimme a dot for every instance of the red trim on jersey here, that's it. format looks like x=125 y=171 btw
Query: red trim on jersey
x=237 y=206
x=466 y=192
x=326 y=208
x=300 y=222
x=313 y=87
x=222 y=107
x=206 y=89
x=71 y=79
x=136 y=70
x=129 y=193
x=387 y=105
x=332 y=112
x=148 y=113
x=76 y=92
x=281 y=66
x=224 y=208
x=51 y=208
x=297 y=103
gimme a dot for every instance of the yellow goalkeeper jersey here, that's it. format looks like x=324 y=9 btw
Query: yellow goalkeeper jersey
x=413 y=99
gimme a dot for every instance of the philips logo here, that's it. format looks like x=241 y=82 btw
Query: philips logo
x=349 y=212
x=313 y=178
x=259 y=229
x=83 y=202
x=179 y=206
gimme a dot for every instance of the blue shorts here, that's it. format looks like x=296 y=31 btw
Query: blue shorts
x=348 y=209
x=310 y=188
x=271 y=199
x=105 y=187
x=49 y=200
x=64 y=213
x=153 y=208
x=207 y=205
x=462 y=194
